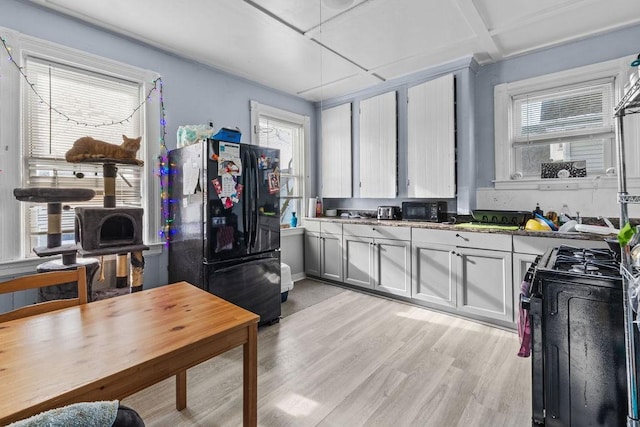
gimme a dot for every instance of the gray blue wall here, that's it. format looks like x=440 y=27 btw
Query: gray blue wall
x=571 y=55
x=198 y=94
x=193 y=93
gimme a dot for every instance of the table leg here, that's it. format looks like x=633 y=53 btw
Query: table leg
x=181 y=390
x=250 y=400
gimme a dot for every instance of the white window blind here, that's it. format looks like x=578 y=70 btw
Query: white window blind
x=84 y=101
x=564 y=124
x=287 y=137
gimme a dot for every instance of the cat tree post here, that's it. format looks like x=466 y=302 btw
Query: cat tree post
x=54 y=197
x=137 y=268
x=109 y=173
x=122 y=273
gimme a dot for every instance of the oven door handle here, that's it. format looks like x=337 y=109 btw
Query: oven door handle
x=537 y=362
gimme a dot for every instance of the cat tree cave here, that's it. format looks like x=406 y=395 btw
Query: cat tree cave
x=113 y=230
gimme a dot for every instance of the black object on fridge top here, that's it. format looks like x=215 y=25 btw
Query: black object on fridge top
x=225 y=230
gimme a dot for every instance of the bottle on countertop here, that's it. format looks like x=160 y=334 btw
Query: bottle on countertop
x=538 y=211
x=565 y=214
x=293 y=222
x=318 y=207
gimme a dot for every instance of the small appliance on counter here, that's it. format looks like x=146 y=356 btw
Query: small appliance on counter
x=388 y=212
x=424 y=211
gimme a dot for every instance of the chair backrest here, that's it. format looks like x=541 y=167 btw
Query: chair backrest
x=42 y=280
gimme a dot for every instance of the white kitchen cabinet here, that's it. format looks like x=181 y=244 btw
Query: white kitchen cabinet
x=431 y=139
x=378 y=257
x=336 y=151
x=312 y=253
x=358 y=261
x=484 y=283
x=378 y=147
x=323 y=250
x=433 y=273
x=392 y=266
x=466 y=271
x=331 y=256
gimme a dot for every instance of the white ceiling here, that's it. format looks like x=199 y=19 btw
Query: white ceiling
x=317 y=49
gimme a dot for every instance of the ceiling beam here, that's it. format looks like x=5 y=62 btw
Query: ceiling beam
x=479 y=27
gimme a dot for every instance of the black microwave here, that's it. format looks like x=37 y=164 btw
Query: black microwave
x=424 y=211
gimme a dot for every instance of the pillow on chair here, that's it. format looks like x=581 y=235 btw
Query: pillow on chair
x=85 y=414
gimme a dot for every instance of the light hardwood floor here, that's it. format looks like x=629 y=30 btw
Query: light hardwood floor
x=359 y=360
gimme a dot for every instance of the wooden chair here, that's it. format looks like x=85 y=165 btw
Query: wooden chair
x=42 y=280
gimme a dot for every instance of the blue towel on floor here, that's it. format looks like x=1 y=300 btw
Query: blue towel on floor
x=84 y=414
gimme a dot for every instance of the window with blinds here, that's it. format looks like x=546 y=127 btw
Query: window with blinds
x=71 y=103
x=564 y=124
x=287 y=137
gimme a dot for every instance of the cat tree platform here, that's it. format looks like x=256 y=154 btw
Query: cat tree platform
x=54 y=197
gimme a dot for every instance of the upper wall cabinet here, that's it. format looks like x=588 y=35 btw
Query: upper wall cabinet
x=431 y=139
x=336 y=151
x=378 y=146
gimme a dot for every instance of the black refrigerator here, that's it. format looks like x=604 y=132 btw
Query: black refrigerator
x=224 y=218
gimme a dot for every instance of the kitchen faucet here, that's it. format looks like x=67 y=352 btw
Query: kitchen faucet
x=606 y=221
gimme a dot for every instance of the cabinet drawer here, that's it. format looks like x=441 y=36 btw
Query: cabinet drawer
x=377 y=231
x=331 y=228
x=538 y=245
x=464 y=239
x=312 y=225
x=495 y=241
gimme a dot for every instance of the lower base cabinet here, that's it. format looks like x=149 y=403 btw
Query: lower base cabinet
x=474 y=274
x=358 y=261
x=485 y=283
x=331 y=257
x=323 y=253
x=392 y=266
x=466 y=279
x=434 y=274
x=374 y=261
x=312 y=253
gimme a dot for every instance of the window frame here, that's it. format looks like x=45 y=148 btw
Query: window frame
x=505 y=150
x=13 y=127
x=257 y=110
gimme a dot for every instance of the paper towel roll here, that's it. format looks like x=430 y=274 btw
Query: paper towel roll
x=311 y=212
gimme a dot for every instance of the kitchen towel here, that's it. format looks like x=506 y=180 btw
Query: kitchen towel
x=524 y=326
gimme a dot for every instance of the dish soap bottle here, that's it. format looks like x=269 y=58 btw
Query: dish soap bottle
x=565 y=214
x=293 y=222
x=537 y=210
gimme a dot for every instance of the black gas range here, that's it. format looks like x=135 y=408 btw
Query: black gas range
x=577 y=339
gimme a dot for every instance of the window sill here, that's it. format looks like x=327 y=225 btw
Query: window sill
x=590 y=182
x=22 y=266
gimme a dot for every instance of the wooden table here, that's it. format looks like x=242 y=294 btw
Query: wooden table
x=113 y=348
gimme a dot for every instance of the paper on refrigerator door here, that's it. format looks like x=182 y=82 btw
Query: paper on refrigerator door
x=229 y=159
x=190 y=177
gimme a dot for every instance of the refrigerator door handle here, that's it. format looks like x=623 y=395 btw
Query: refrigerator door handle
x=246 y=207
x=254 y=228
